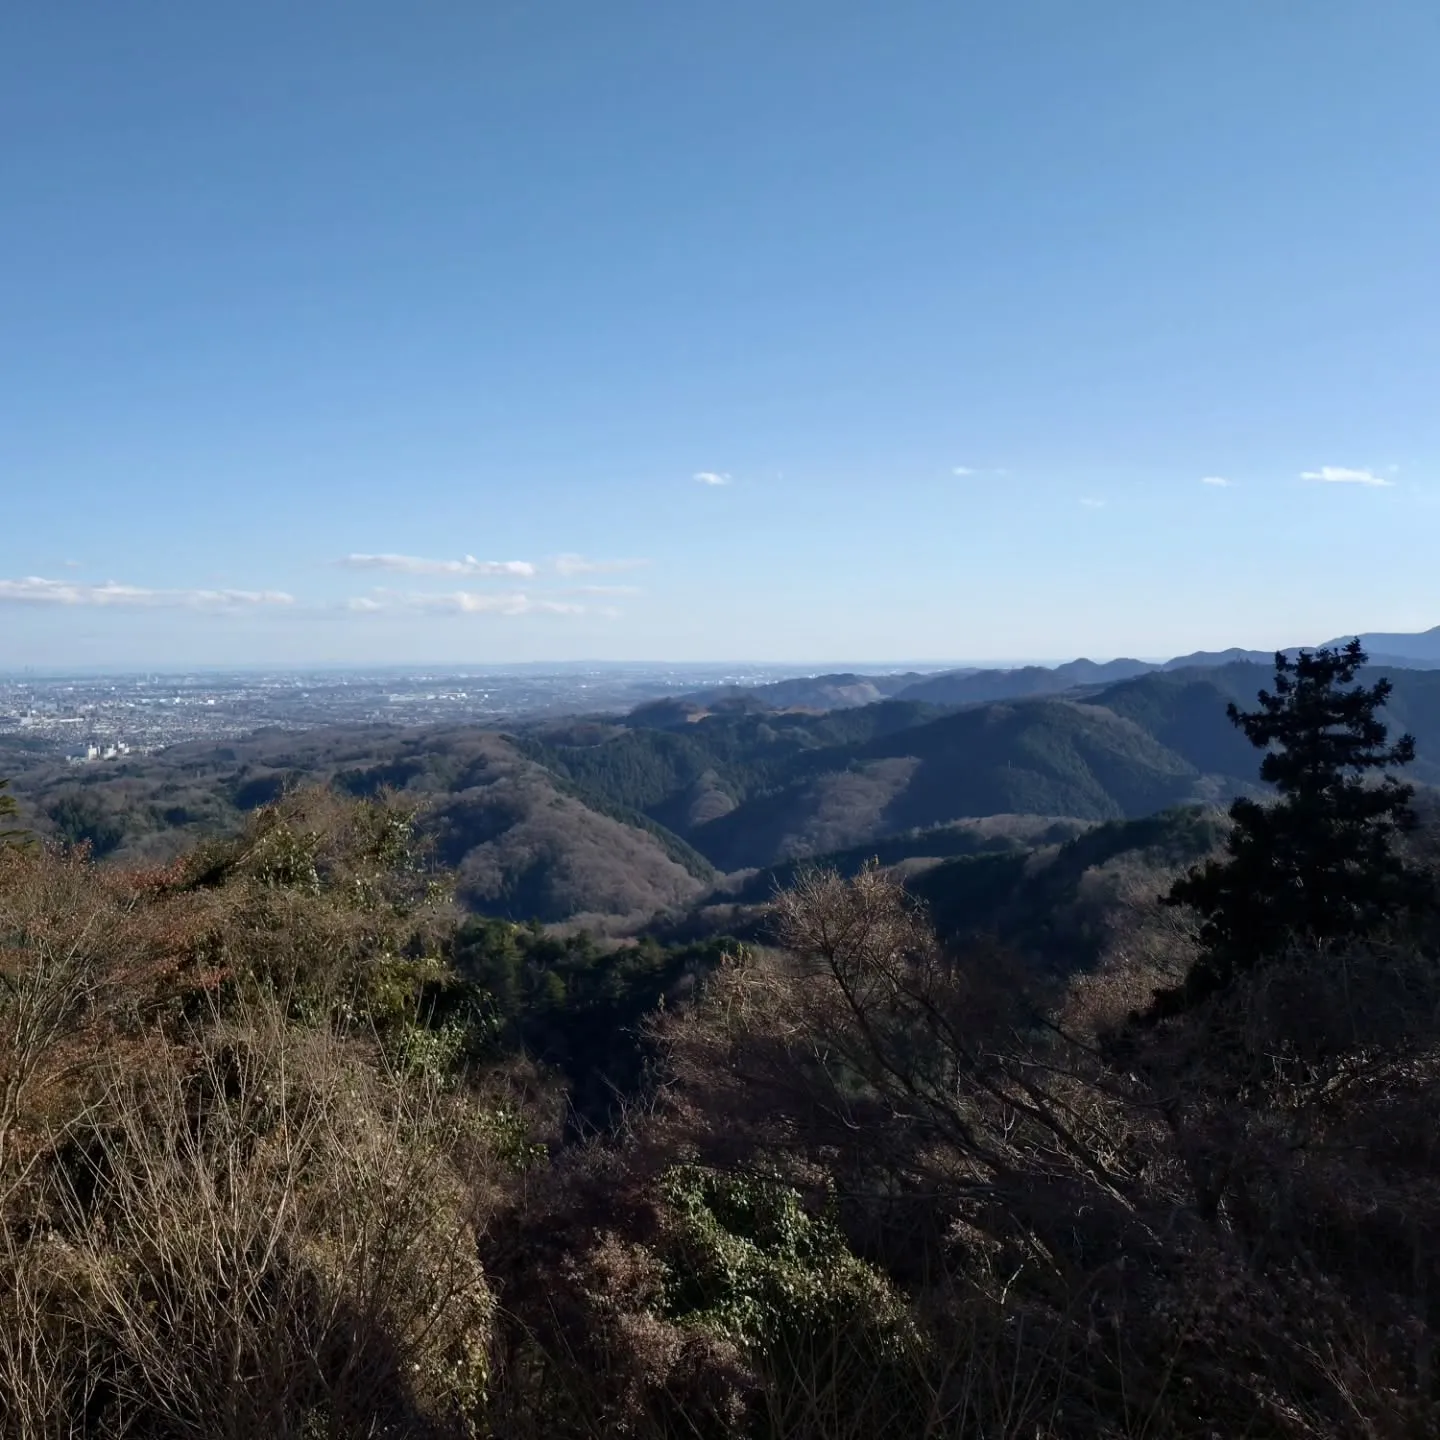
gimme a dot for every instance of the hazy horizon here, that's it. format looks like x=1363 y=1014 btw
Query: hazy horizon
x=450 y=668
x=447 y=662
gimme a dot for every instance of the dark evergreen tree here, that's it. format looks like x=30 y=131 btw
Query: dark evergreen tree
x=9 y=835
x=1319 y=863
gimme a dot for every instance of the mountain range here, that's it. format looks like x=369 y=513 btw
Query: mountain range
x=748 y=788
x=972 y=685
x=622 y=818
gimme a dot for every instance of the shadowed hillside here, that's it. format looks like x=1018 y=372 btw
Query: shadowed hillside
x=1038 y=758
x=1185 y=710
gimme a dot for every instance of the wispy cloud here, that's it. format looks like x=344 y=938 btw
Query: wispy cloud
x=579 y=565
x=1091 y=503
x=33 y=590
x=1218 y=481
x=458 y=602
x=964 y=470
x=712 y=477
x=415 y=565
x=603 y=590
x=1343 y=475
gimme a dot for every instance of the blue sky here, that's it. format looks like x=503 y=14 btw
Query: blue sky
x=960 y=303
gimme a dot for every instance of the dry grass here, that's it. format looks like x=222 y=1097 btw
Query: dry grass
x=221 y=1219
x=256 y=1230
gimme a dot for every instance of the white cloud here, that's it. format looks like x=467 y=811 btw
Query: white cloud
x=964 y=470
x=1341 y=475
x=415 y=565
x=604 y=590
x=1219 y=481
x=579 y=565
x=32 y=590
x=712 y=477
x=1091 y=503
x=459 y=602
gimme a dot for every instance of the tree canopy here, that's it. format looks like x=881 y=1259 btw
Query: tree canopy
x=1319 y=864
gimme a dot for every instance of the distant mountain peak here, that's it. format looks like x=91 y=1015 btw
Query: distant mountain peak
x=1418 y=648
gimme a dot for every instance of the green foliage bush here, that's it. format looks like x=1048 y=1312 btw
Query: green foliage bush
x=745 y=1259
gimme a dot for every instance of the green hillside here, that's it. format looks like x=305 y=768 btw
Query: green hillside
x=748 y=790
x=1045 y=757
x=814 y=785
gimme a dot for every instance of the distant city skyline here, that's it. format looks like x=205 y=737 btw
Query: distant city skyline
x=354 y=335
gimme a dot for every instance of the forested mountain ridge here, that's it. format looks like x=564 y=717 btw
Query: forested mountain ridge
x=814 y=692
x=754 y=790
x=1041 y=757
x=622 y=819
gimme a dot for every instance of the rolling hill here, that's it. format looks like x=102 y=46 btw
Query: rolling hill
x=625 y=818
x=1043 y=757
x=520 y=841
x=809 y=692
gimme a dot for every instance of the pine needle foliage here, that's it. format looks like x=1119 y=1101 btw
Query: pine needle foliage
x=1319 y=865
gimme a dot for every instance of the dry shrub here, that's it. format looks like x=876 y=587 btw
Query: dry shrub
x=325 y=901
x=87 y=963
x=1301 y=1104
x=257 y=1232
x=1149 y=945
x=223 y=1211
x=318 y=901
x=864 y=1038
x=583 y=1347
